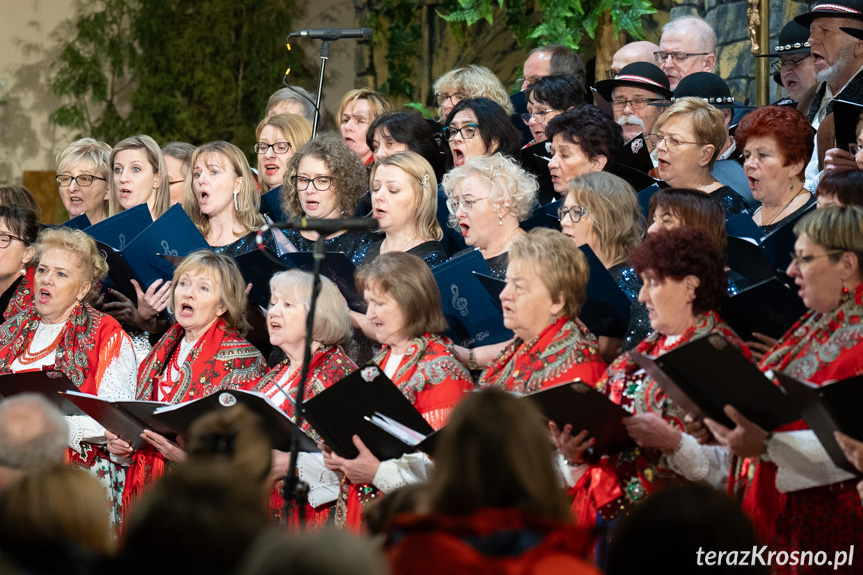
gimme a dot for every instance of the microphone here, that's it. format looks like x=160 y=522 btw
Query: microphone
x=328 y=227
x=330 y=34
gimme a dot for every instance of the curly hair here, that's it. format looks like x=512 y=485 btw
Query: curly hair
x=708 y=123
x=349 y=176
x=475 y=82
x=424 y=185
x=495 y=127
x=845 y=187
x=508 y=184
x=792 y=132
x=616 y=217
x=559 y=264
x=156 y=160
x=92 y=260
x=693 y=208
x=593 y=131
x=227 y=156
x=682 y=252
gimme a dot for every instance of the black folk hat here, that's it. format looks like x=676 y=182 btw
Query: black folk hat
x=640 y=75
x=707 y=86
x=842 y=8
x=793 y=39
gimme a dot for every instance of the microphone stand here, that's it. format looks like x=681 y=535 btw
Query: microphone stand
x=325 y=55
x=295 y=490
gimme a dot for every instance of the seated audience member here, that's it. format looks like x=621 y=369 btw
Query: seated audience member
x=546 y=285
x=631 y=94
x=477 y=523
x=294 y=100
x=178 y=161
x=776 y=142
x=601 y=211
x=683 y=524
x=479 y=127
x=222 y=200
x=487 y=198
x=548 y=97
x=32 y=432
x=582 y=140
x=794 y=68
x=792 y=473
x=55 y=519
x=138 y=176
x=291 y=293
x=357 y=111
x=404 y=307
x=687 y=45
x=19 y=230
x=840 y=188
x=84 y=177
x=325 y=179
x=20 y=196
x=469 y=82
x=277 y=140
x=640 y=51
x=688 y=136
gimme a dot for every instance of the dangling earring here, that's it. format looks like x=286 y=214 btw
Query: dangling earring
x=499 y=220
x=236 y=205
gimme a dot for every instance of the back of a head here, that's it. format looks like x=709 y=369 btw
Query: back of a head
x=32 y=432
x=564 y=61
x=495 y=453
x=675 y=524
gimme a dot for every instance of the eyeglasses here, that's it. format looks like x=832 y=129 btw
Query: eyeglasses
x=790 y=64
x=635 y=103
x=466 y=204
x=6 y=239
x=321 y=183
x=539 y=116
x=442 y=97
x=468 y=132
x=662 y=56
x=529 y=80
x=803 y=261
x=83 y=180
x=575 y=213
x=278 y=147
x=854 y=148
x=670 y=142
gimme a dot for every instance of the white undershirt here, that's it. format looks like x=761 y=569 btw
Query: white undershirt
x=185 y=348
x=392 y=364
x=45 y=334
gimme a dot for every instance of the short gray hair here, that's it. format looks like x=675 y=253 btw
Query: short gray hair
x=32 y=432
x=298 y=95
x=706 y=36
x=332 y=321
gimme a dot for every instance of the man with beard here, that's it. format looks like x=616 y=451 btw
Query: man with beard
x=631 y=94
x=838 y=61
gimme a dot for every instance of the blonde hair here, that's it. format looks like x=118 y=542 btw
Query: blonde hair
x=248 y=213
x=75 y=241
x=708 y=123
x=332 y=321
x=296 y=130
x=224 y=270
x=424 y=185
x=617 y=220
x=835 y=228
x=410 y=282
x=378 y=104
x=560 y=265
x=94 y=152
x=508 y=184
x=160 y=169
x=475 y=82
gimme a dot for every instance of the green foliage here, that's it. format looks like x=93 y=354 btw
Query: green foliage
x=561 y=22
x=397 y=20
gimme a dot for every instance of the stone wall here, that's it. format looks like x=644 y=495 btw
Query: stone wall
x=735 y=61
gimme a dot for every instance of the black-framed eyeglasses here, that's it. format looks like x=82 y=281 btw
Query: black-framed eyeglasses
x=634 y=103
x=468 y=132
x=671 y=142
x=662 y=56
x=803 y=261
x=321 y=183
x=278 y=147
x=575 y=213
x=6 y=239
x=442 y=97
x=790 y=64
x=84 y=180
x=539 y=116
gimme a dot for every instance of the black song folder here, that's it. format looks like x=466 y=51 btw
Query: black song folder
x=126 y=419
x=48 y=383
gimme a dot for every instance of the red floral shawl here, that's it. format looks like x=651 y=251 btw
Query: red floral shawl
x=432 y=377
x=820 y=348
x=563 y=352
x=622 y=479
x=23 y=296
x=221 y=359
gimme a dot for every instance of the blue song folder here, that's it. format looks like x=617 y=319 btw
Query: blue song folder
x=119 y=230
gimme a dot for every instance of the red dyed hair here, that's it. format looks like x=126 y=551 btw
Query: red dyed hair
x=794 y=135
x=681 y=252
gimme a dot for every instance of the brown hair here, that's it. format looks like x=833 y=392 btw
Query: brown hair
x=693 y=208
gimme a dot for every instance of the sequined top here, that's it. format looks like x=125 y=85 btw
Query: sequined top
x=245 y=245
x=732 y=202
x=736 y=282
x=496 y=265
x=353 y=244
x=431 y=252
x=639 y=322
